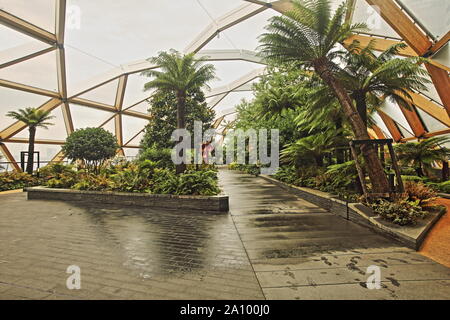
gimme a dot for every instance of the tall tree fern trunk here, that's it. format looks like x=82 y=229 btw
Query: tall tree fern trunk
x=30 y=161
x=181 y=124
x=374 y=168
x=361 y=106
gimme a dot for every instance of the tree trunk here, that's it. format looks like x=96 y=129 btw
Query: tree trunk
x=361 y=106
x=375 y=170
x=419 y=171
x=181 y=124
x=340 y=156
x=31 y=139
x=319 y=160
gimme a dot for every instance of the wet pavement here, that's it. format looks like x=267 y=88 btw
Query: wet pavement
x=273 y=245
x=300 y=251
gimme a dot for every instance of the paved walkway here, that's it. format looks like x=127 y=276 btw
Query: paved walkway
x=273 y=245
x=300 y=251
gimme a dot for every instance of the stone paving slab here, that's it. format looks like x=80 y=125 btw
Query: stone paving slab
x=272 y=245
x=300 y=251
x=123 y=253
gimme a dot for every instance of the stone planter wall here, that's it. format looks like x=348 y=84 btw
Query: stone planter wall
x=410 y=236
x=171 y=202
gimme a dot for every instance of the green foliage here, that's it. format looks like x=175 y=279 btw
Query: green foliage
x=178 y=72
x=17 y=180
x=92 y=182
x=443 y=187
x=145 y=176
x=203 y=182
x=134 y=178
x=91 y=146
x=253 y=169
x=342 y=176
x=286 y=174
x=421 y=155
x=32 y=117
x=163 y=106
x=59 y=175
x=413 y=178
x=161 y=157
x=401 y=212
x=166 y=182
x=307 y=33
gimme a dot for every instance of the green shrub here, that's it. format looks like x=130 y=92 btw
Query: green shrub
x=202 y=183
x=443 y=187
x=286 y=174
x=59 y=175
x=92 y=146
x=162 y=157
x=93 y=182
x=134 y=178
x=401 y=212
x=253 y=169
x=165 y=182
x=342 y=176
x=413 y=178
x=17 y=180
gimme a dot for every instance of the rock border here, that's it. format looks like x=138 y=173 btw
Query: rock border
x=411 y=236
x=219 y=203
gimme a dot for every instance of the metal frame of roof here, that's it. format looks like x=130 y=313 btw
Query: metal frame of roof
x=411 y=31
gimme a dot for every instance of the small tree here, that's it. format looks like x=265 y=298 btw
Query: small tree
x=33 y=118
x=179 y=74
x=422 y=155
x=91 y=146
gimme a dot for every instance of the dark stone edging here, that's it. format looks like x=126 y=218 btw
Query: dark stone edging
x=412 y=237
x=218 y=203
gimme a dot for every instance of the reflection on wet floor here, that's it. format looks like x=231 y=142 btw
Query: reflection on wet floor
x=300 y=251
x=271 y=245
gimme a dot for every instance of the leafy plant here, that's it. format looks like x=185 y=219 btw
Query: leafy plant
x=134 y=178
x=419 y=192
x=165 y=182
x=286 y=174
x=401 y=211
x=59 y=175
x=342 y=176
x=161 y=157
x=421 y=155
x=91 y=146
x=93 y=182
x=17 y=180
x=198 y=183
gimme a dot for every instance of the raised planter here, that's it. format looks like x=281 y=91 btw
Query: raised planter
x=411 y=236
x=171 y=202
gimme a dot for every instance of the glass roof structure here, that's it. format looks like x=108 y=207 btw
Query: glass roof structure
x=82 y=59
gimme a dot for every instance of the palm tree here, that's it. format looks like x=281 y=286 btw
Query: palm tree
x=307 y=36
x=421 y=155
x=33 y=118
x=179 y=74
x=370 y=78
